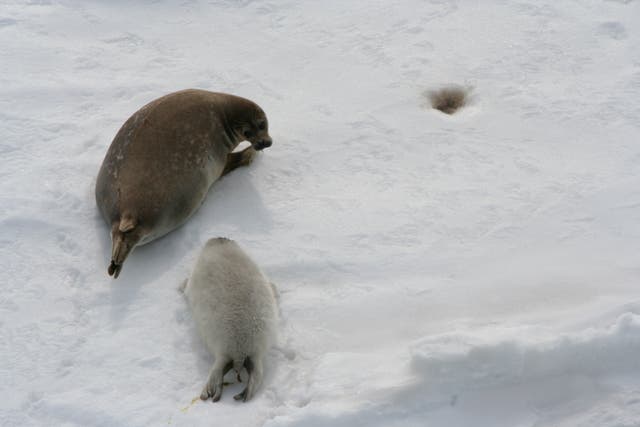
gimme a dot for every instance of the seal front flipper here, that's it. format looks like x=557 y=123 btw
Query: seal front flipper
x=240 y=158
x=125 y=235
x=183 y=286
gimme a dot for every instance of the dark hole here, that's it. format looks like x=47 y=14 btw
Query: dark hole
x=448 y=99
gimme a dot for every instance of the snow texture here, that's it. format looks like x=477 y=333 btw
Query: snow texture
x=476 y=269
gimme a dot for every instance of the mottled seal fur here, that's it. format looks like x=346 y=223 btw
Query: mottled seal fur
x=234 y=308
x=165 y=157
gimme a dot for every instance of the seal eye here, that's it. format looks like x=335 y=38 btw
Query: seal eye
x=247 y=134
x=261 y=126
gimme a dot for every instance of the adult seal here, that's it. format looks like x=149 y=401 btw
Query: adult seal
x=235 y=311
x=165 y=157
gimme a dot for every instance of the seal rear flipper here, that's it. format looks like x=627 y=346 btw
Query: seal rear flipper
x=114 y=269
x=255 y=370
x=213 y=387
x=123 y=243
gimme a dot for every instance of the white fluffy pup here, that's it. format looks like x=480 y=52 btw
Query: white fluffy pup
x=234 y=308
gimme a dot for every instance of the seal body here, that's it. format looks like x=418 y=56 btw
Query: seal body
x=234 y=309
x=165 y=157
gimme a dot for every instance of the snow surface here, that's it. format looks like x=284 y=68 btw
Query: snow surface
x=479 y=269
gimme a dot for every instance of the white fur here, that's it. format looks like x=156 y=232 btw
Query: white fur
x=234 y=308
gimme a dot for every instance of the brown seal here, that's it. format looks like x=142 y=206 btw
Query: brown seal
x=165 y=157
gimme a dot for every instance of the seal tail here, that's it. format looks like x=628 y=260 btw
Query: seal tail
x=124 y=237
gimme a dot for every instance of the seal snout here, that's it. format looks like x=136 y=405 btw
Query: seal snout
x=262 y=144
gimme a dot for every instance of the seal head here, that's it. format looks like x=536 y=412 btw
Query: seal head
x=251 y=124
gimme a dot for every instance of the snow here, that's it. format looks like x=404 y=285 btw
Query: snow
x=478 y=269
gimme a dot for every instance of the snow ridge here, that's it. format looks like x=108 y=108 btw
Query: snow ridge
x=498 y=357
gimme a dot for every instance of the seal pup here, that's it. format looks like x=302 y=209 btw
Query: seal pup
x=234 y=308
x=165 y=157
